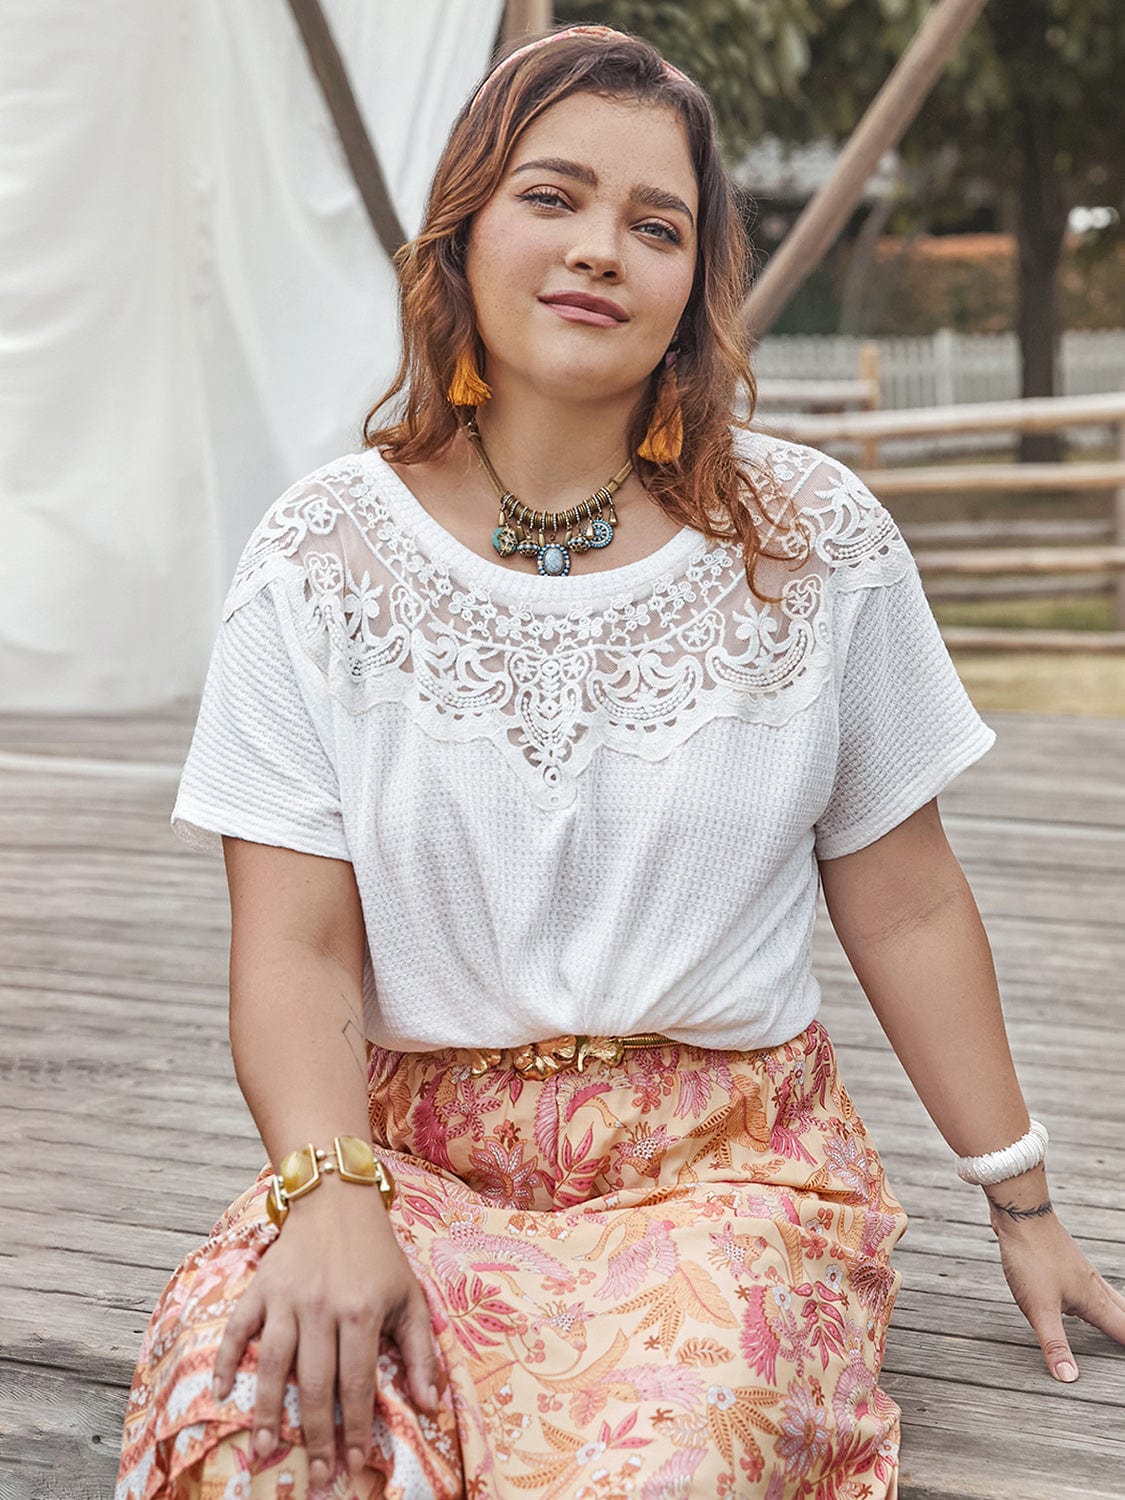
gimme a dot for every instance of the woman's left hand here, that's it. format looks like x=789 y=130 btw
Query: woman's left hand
x=1049 y=1276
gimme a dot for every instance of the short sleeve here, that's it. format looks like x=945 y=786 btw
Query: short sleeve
x=907 y=726
x=259 y=766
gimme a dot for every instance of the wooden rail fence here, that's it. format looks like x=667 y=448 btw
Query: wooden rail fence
x=866 y=430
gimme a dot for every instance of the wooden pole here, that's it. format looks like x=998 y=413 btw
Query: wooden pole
x=1119 y=529
x=881 y=128
x=869 y=371
x=331 y=74
x=523 y=19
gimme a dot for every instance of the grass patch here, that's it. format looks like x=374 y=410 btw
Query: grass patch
x=1048 y=612
x=1025 y=681
x=1041 y=682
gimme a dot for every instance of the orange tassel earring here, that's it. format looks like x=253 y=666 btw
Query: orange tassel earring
x=665 y=436
x=468 y=388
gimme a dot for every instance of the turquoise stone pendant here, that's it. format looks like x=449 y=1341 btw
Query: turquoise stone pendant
x=603 y=532
x=553 y=560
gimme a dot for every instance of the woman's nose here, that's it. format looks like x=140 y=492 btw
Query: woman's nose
x=597 y=254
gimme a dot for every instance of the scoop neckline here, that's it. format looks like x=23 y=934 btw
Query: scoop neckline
x=534 y=589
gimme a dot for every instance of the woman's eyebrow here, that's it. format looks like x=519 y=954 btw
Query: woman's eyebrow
x=562 y=167
x=651 y=197
x=654 y=197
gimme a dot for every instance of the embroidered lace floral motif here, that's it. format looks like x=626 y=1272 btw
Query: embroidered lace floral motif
x=638 y=674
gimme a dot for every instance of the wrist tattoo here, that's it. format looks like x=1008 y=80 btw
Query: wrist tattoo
x=352 y=1033
x=1038 y=1212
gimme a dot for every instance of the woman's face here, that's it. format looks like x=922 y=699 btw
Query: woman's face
x=599 y=199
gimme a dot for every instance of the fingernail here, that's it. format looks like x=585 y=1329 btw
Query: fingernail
x=216 y=1388
x=263 y=1440
x=355 y=1460
x=432 y=1396
x=1066 y=1371
x=318 y=1471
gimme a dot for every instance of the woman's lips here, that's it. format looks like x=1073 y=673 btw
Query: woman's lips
x=575 y=311
x=583 y=315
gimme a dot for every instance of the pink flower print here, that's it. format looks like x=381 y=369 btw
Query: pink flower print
x=477 y=1312
x=578 y=1170
x=502 y=1176
x=814 y=1245
x=569 y=1322
x=645 y=1151
x=759 y=1340
x=713 y=1208
x=735 y=1252
x=432 y=1133
x=653 y=1083
x=887 y=1458
x=849 y=1160
x=673 y=1479
x=644 y=1248
x=851 y=1399
x=877 y=1228
x=873 y=1282
x=794 y=1119
x=803 y=1442
x=832 y=1280
x=696 y=1088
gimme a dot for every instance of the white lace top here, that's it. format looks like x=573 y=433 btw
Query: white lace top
x=592 y=803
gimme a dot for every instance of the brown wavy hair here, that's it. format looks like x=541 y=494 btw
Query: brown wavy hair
x=709 y=486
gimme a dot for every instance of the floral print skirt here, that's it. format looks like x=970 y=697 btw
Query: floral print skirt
x=664 y=1277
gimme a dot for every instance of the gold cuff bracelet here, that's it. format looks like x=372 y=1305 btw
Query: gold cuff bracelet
x=303 y=1170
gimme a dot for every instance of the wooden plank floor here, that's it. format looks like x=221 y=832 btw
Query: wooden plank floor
x=123 y=1134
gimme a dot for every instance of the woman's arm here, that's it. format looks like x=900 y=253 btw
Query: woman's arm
x=907 y=920
x=335 y=1278
x=296 y=978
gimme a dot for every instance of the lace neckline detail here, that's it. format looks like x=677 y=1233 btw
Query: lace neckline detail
x=531 y=589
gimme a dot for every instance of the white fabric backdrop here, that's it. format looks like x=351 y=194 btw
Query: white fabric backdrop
x=194 y=308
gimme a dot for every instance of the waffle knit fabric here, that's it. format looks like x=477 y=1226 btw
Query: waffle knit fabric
x=593 y=803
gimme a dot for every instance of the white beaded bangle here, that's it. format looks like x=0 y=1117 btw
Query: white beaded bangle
x=997 y=1166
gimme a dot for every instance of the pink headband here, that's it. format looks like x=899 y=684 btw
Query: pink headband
x=544 y=41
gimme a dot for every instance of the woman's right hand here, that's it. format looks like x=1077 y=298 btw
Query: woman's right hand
x=335 y=1277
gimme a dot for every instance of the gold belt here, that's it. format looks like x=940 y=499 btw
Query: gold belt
x=541 y=1059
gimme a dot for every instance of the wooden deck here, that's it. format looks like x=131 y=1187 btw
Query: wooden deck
x=124 y=1134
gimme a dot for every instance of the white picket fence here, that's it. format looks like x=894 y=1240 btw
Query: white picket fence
x=946 y=368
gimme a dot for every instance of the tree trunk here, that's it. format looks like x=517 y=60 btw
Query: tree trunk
x=1041 y=225
x=859 y=278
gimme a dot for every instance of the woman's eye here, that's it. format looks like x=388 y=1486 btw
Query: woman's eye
x=544 y=196
x=548 y=198
x=664 y=231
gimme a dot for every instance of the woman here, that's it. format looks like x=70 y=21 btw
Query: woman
x=523 y=845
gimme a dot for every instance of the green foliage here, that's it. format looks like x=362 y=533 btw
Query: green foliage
x=807 y=69
x=747 y=54
x=1055 y=61
x=1029 y=114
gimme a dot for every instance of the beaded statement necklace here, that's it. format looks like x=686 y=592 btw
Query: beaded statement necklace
x=585 y=524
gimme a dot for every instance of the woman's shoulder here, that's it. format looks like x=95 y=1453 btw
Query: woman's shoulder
x=848 y=528
x=808 y=476
x=305 y=530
